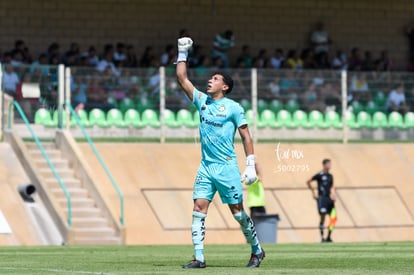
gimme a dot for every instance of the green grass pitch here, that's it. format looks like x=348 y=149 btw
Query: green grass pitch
x=336 y=258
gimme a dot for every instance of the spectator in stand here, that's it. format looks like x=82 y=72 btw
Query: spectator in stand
x=409 y=30
x=20 y=46
x=108 y=48
x=96 y=95
x=120 y=55
x=7 y=58
x=320 y=41
x=384 y=63
x=10 y=81
x=204 y=67
x=311 y=100
x=368 y=64
x=92 y=56
x=53 y=53
x=71 y=59
x=132 y=60
x=16 y=58
x=107 y=63
x=308 y=59
x=396 y=100
x=147 y=57
x=169 y=56
x=223 y=42
x=245 y=59
x=196 y=56
x=73 y=52
x=355 y=61
x=340 y=61
x=42 y=61
x=277 y=60
x=260 y=61
x=293 y=60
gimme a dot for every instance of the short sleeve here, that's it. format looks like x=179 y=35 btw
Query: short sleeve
x=198 y=98
x=315 y=177
x=239 y=116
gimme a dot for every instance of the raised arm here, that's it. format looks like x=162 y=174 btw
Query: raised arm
x=184 y=44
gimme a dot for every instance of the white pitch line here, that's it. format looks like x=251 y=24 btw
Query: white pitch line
x=55 y=270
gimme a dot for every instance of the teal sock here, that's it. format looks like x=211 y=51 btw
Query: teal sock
x=198 y=229
x=249 y=231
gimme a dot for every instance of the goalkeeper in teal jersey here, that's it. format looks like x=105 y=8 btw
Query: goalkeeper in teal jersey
x=220 y=117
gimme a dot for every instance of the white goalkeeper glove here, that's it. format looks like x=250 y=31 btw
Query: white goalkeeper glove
x=249 y=176
x=184 y=45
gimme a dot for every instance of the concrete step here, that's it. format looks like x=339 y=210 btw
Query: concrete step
x=77 y=202
x=101 y=232
x=97 y=240
x=52 y=153
x=46 y=145
x=85 y=212
x=89 y=222
x=57 y=163
x=52 y=182
x=63 y=172
x=74 y=192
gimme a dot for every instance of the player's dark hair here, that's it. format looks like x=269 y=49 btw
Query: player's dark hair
x=227 y=80
x=325 y=161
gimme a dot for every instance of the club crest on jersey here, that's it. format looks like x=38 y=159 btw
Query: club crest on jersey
x=221 y=108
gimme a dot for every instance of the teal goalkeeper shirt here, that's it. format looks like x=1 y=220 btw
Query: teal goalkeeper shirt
x=219 y=120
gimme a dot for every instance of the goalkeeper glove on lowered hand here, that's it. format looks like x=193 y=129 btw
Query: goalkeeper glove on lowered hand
x=249 y=176
x=184 y=45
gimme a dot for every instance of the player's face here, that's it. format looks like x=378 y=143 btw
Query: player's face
x=216 y=84
x=327 y=166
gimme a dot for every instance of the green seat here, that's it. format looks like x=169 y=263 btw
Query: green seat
x=97 y=118
x=185 y=118
x=332 y=119
x=395 y=120
x=351 y=120
x=357 y=107
x=150 y=118
x=83 y=118
x=316 y=120
x=246 y=104
x=292 y=105
x=126 y=104
x=267 y=119
x=143 y=104
x=262 y=105
x=249 y=116
x=132 y=118
x=275 y=105
x=114 y=118
x=364 y=120
x=300 y=119
x=379 y=120
x=42 y=116
x=284 y=119
x=55 y=118
x=371 y=108
x=169 y=119
x=380 y=100
x=409 y=120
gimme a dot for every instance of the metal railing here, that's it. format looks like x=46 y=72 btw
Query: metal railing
x=44 y=154
x=101 y=161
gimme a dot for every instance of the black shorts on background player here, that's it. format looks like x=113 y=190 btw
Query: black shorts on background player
x=325 y=205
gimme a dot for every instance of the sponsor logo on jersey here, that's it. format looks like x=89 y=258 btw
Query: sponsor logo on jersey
x=212 y=123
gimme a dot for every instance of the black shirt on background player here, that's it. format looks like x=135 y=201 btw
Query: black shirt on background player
x=325 y=183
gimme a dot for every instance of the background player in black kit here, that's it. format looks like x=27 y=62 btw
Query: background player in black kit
x=325 y=198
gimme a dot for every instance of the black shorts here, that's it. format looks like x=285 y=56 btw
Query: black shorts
x=325 y=205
